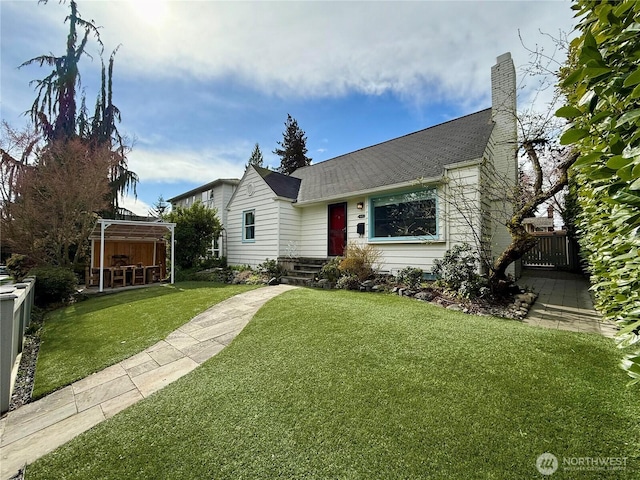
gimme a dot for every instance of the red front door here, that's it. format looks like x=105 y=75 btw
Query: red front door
x=337 y=229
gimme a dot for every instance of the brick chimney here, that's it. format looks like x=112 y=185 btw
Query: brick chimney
x=550 y=210
x=503 y=145
x=503 y=113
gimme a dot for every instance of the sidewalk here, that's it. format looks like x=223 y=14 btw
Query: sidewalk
x=38 y=428
x=563 y=303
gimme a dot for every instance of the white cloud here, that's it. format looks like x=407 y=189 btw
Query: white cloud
x=188 y=165
x=416 y=50
x=135 y=205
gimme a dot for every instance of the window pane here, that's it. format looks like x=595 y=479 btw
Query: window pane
x=405 y=215
x=249 y=225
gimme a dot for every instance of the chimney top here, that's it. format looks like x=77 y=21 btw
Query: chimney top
x=550 y=210
x=504 y=57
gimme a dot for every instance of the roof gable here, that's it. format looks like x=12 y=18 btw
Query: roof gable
x=422 y=154
x=282 y=185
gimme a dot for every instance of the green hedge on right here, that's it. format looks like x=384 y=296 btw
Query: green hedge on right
x=602 y=82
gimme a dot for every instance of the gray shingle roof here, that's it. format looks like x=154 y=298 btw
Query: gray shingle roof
x=539 y=221
x=422 y=154
x=282 y=185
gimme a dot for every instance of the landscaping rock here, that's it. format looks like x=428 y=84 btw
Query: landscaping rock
x=23 y=386
x=425 y=295
x=455 y=307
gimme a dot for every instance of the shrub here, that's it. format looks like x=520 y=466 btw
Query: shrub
x=53 y=285
x=220 y=275
x=241 y=268
x=410 y=276
x=331 y=270
x=360 y=260
x=348 y=282
x=213 y=262
x=272 y=268
x=19 y=266
x=458 y=271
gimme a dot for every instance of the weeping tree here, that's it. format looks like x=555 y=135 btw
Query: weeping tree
x=71 y=166
x=57 y=116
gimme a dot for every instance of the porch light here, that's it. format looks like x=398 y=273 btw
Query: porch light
x=360 y=205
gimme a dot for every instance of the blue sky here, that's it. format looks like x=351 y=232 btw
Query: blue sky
x=200 y=82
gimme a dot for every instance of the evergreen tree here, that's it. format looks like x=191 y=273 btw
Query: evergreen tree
x=293 y=148
x=56 y=114
x=159 y=208
x=256 y=157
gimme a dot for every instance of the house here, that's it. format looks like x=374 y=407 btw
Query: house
x=216 y=195
x=540 y=224
x=412 y=197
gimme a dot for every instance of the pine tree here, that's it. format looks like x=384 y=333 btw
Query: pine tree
x=159 y=208
x=293 y=148
x=256 y=157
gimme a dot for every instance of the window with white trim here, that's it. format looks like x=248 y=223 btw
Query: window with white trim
x=249 y=226
x=404 y=215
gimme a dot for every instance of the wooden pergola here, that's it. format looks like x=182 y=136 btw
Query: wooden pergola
x=142 y=238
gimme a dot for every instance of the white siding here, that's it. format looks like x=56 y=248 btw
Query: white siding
x=266 y=226
x=289 y=232
x=222 y=195
x=313 y=231
x=462 y=201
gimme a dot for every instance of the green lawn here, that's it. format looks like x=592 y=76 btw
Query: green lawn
x=334 y=384
x=88 y=336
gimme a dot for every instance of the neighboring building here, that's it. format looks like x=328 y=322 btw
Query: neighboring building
x=399 y=195
x=216 y=195
x=540 y=224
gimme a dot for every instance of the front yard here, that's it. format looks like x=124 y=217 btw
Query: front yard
x=88 y=336
x=334 y=384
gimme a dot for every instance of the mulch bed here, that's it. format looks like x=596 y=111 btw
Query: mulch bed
x=26 y=371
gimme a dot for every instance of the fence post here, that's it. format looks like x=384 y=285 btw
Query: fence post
x=31 y=281
x=6 y=347
x=20 y=320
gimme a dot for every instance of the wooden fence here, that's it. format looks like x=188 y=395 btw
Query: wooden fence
x=553 y=250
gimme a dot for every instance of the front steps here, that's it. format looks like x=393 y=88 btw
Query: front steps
x=301 y=271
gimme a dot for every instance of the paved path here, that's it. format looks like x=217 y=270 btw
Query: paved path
x=563 y=303
x=37 y=428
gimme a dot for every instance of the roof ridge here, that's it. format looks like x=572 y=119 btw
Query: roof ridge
x=392 y=139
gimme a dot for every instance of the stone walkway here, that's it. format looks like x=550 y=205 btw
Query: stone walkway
x=37 y=428
x=563 y=303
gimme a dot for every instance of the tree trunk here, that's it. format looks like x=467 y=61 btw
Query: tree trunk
x=521 y=243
